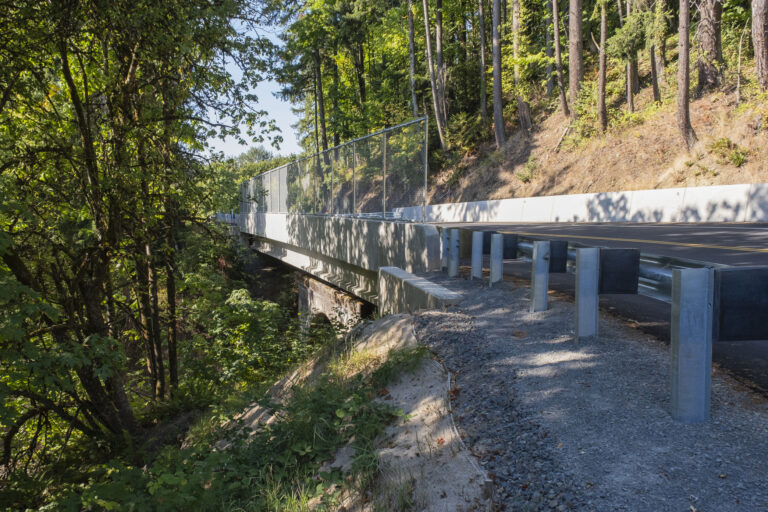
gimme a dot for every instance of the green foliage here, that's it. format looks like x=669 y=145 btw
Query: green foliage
x=728 y=151
x=273 y=468
x=628 y=40
x=465 y=131
x=528 y=171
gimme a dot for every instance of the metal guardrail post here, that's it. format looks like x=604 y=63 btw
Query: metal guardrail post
x=384 y=175
x=354 y=177
x=444 y=241
x=477 y=255
x=587 y=299
x=453 y=253
x=497 y=258
x=539 y=276
x=691 y=343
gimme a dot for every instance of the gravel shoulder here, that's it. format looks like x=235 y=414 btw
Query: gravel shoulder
x=584 y=425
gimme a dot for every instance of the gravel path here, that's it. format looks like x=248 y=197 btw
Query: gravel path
x=566 y=425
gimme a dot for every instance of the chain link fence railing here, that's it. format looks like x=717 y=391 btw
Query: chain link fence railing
x=368 y=176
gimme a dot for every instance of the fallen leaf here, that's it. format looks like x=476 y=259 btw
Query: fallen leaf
x=383 y=392
x=519 y=334
x=440 y=441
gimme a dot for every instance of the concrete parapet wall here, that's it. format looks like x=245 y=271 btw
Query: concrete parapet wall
x=403 y=292
x=364 y=243
x=725 y=203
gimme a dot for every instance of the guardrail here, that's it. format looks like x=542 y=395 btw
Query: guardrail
x=655 y=270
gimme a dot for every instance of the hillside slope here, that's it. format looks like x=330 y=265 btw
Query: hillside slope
x=644 y=152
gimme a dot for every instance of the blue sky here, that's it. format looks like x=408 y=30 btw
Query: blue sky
x=277 y=109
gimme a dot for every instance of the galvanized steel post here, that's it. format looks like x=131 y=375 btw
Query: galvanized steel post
x=539 y=276
x=497 y=257
x=444 y=248
x=453 y=253
x=477 y=255
x=587 y=299
x=691 y=344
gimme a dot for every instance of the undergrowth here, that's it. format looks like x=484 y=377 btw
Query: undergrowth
x=274 y=468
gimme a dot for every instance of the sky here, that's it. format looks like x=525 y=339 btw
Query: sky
x=276 y=109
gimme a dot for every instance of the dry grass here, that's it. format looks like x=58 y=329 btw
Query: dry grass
x=645 y=153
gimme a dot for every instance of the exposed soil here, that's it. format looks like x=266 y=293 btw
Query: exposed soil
x=645 y=156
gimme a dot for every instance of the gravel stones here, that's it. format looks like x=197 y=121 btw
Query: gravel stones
x=566 y=425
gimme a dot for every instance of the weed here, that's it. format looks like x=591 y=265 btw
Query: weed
x=529 y=170
x=728 y=151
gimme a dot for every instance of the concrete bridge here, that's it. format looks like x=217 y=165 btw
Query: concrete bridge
x=373 y=259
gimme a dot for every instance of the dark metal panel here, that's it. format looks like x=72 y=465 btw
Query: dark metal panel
x=740 y=304
x=510 y=246
x=619 y=270
x=558 y=256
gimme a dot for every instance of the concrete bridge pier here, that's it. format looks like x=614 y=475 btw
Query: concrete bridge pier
x=318 y=299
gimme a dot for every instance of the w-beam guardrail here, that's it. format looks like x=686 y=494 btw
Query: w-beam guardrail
x=709 y=301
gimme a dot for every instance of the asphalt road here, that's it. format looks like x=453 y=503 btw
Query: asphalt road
x=723 y=243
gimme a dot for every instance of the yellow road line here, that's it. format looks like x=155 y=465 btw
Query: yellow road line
x=641 y=241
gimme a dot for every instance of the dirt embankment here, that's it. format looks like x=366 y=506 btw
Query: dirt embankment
x=645 y=152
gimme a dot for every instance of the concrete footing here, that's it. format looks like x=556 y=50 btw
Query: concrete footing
x=477 y=255
x=691 y=343
x=403 y=292
x=587 y=299
x=539 y=276
x=497 y=257
x=453 y=253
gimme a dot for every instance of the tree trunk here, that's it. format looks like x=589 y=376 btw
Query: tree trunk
x=575 y=46
x=523 y=110
x=548 y=51
x=654 y=76
x=432 y=82
x=157 y=340
x=412 y=54
x=559 y=59
x=170 y=289
x=683 y=79
x=483 y=99
x=634 y=75
x=711 y=56
x=441 y=75
x=321 y=105
x=602 y=112
x=760 y=41
x=498 y=115
x=661 y=45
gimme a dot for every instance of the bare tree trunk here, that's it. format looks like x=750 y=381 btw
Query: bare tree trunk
x=559 y=59
x=170 y=289
x=431 y=66
x=602 y=112
x=683 y=79
x=661 y=45
x=711 y=56
x=760 y=41
x=654 y=76
x=412 y=53
x=156 y=337
x=483 y=99
x=441 y=77
x=498 y=117
x=321 y=104
x=548 y=51
x=523 y=110
x=634 y=75
x=575 y=46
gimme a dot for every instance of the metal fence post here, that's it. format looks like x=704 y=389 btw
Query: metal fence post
x=384 y=175
x=477 y=255
x=331 y=196
x=453 y=254
x=539 y=276
x=587 y=299
x=497 y=258
x=354 y=177
x=691 y=343
x=426 y=164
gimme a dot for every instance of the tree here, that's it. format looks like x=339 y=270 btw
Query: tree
x=558 y=59
x=575 y=49
x=432 y=82
x=498 y=116
x=710 y=59
x=523 y=110
x=602 y=111
x=481 y=28
x=760 y=41
x=412 y=59
x=683 y=79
